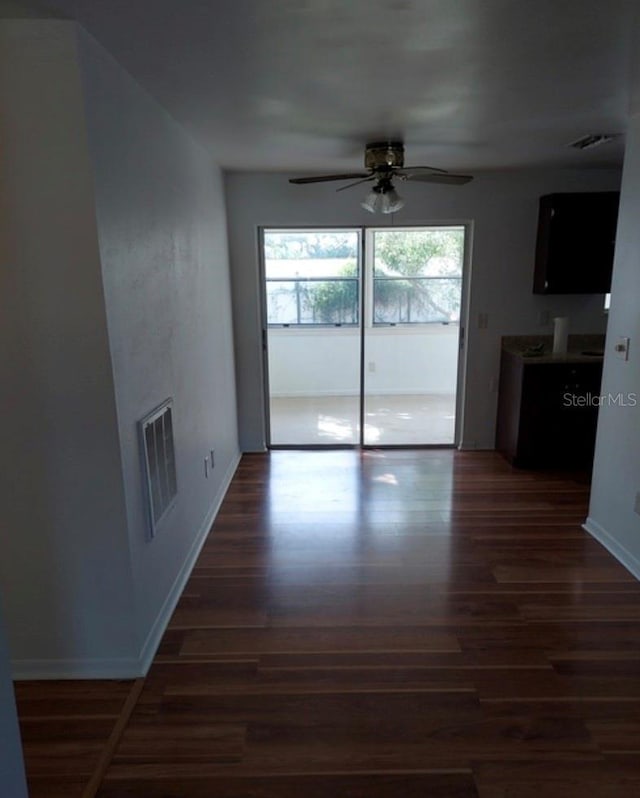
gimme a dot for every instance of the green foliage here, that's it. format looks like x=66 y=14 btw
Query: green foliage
x=419 y=252
x=427 y=254
x=416 y=276
x=336 y=301
x=304 y=244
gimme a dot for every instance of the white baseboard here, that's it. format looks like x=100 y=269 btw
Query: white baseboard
x=312 y=394
x=384 y=392
x=160 y=624
x=623 y=555
x=134 y=667
x=28 y=670
x=472 y=446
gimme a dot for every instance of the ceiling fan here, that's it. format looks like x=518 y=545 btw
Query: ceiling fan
x=384 y=161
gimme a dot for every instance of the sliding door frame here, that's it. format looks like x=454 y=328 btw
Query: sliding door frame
x=365 y=233
x=264 y=329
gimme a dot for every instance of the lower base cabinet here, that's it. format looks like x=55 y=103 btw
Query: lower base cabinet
x=548 y=412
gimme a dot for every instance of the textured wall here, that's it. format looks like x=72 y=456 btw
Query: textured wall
x=115 y=295
x=503 y=209
x=64 y=560
x=12 y=776
x=616 y=475
x=163 y=248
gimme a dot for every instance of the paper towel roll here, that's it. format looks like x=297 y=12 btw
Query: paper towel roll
x=560 y=335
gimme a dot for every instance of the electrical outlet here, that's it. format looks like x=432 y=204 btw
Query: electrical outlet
x=213 y=460
x=372 y=366
x=622 y=348
x=483 y=321
x=544 y=318
x=636 y=506
x=206 y=467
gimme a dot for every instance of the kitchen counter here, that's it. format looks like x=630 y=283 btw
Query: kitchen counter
x=581 y=348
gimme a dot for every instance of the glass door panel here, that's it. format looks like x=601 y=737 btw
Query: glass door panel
x=313 y=282
x=412 y=334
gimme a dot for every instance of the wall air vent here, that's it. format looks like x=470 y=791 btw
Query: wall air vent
x=592 y=140
x=159 y=463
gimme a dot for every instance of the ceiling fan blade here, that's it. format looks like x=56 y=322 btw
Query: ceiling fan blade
x=448 y=178
x=357 y=183
x=325 y=178
x=408 y=169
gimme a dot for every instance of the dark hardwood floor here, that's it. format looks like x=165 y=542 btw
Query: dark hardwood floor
x=372 y=625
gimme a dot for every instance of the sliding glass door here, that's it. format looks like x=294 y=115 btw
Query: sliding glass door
x=412 y=335
x=363 y=336
x=313 y=281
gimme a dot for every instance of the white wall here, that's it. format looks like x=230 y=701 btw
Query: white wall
x=12 y=775
x=163 y=247
x=65 y=568
x=503 y=208
x=398 y=360
x=115 y=295
x=616 y=473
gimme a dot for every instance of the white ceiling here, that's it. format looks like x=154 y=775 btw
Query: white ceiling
x=302 y=85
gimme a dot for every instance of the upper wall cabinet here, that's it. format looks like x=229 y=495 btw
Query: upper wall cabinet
x=576 y=242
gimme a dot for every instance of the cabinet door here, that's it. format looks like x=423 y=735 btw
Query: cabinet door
x=542 y=389
x=559 y=414
x=576 y=242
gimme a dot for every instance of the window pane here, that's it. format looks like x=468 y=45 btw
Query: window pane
x=305 y=254
x=333 y=302
x=417 y=301
x=419 y=253
x=282 y=303
x=312 y=302
x=312 y=276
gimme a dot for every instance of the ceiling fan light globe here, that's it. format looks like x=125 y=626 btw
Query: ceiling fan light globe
x=391 y=201
x=372 y=202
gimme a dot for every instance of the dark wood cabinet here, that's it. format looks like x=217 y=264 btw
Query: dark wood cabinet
x=547 y=412
x=575 y=243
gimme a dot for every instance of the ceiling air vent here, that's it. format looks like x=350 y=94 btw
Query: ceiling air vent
x=159 y=463
x=592 y=140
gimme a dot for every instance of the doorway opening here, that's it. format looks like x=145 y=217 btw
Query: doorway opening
x=363 y=335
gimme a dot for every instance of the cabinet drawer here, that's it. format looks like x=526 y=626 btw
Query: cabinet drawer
x=546 y=384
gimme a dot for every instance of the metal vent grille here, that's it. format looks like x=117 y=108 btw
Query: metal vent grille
x=156 y=433
x=592 y=140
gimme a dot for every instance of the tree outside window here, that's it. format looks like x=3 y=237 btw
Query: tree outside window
x=312 y=277
x=417 y=276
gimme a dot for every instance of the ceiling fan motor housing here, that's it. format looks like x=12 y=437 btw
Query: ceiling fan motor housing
x=384 y=155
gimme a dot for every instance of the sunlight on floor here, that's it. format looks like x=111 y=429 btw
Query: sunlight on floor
x=389 y=420
x=337 y=430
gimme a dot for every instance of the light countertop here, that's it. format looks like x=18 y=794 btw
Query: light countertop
x=581 y=348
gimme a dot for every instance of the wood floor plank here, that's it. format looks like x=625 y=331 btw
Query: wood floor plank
x=527 y=779
x=453 y=784
x=326 y=638
x=379 y=624
x=65 y=728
